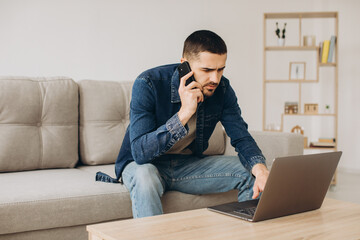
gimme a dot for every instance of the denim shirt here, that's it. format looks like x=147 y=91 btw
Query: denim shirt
x=155 y=127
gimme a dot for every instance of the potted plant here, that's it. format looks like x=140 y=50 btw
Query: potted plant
x=281 y=38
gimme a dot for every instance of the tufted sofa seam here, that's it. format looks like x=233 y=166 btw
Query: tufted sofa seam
x=41 y=99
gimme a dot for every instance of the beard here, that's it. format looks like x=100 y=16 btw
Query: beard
x=209 y=92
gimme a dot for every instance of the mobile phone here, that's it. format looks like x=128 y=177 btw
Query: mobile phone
x=184 y=69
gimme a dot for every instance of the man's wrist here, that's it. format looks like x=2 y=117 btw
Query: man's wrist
x=258 y=169
x=184 y=117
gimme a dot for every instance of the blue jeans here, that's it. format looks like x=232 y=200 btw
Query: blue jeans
x=187 y=174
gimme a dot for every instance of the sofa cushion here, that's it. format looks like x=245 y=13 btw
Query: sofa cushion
x=104 y=117
x=38 y=123
x=53 y=198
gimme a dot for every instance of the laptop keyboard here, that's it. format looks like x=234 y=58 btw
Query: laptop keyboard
x=247 y=211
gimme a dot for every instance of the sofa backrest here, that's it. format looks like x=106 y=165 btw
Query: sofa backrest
x=49 y=122
x=38 y=123
x=104 y=117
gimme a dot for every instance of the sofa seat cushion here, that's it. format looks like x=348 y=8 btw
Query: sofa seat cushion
x=38 y=123
x=56 y=198
x=45 y=199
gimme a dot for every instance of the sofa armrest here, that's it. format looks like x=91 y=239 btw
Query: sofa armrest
x=273 y=144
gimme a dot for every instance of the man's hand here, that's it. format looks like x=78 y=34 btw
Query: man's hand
x=190 y=96
x=261 y=174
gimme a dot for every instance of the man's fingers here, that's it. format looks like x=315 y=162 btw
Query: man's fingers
x=200 y=97
x=256 y=192
x=191 y=85
x=195 y=84
x=198 y=94
x=184 y=78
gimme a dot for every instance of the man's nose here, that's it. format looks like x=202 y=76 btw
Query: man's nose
x=215 y=78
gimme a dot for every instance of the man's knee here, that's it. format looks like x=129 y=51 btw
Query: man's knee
x=146 y=177
x=146 y=173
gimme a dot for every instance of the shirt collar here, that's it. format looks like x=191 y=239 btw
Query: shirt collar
x=175 y=83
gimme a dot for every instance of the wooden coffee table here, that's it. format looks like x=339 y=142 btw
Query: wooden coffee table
x=334 y=220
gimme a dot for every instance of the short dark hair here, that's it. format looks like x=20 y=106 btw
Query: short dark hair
x=203 y=41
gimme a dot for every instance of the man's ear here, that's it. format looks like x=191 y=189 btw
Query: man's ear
x=183 y=60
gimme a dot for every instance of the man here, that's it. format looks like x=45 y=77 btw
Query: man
x=171 y=123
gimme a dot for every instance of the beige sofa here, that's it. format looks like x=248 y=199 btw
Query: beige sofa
x=55 y=134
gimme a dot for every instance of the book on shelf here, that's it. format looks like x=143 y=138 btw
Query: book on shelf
x=320 y=50
x=325 y=51
x=331 y=49
x=327 y=140
x=322 y=144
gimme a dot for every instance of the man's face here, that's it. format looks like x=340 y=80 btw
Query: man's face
x=208 y=69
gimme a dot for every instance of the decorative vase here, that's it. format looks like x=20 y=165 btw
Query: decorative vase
x=281 y=42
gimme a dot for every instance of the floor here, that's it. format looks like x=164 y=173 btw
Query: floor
x=347 y=187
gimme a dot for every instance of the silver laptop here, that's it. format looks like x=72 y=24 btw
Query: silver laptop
x=296 y=184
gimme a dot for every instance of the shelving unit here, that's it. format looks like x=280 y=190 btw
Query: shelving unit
x=297 y=21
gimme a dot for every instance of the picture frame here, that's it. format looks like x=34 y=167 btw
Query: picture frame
x=297 y=71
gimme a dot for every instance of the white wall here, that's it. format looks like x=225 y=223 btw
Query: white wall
x=116 y=40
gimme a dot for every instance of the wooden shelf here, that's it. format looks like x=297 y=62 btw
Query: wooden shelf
x=305 y=114
x=301 y=15
x=291 y=48
x=327 y=64
x=291 y=81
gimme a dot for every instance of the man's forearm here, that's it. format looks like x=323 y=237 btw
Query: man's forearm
x=148 y=146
